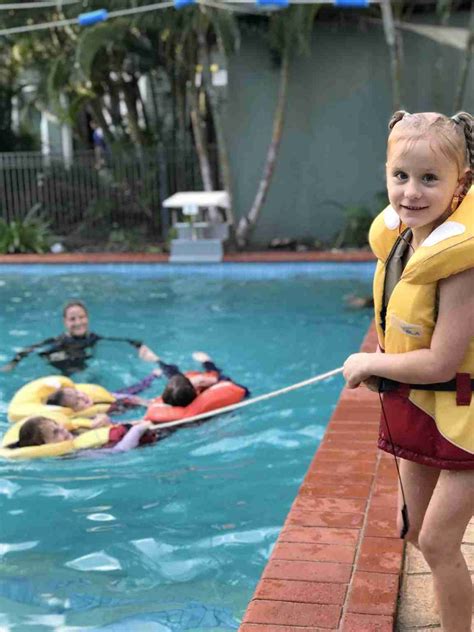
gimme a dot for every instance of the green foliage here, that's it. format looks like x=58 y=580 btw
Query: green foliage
x=18 y=141
x=292 y=29
x=128 y=239
x=95 y=40
x=357 y=221
x=31 y=234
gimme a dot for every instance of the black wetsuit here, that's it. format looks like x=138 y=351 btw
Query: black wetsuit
x=69 y=354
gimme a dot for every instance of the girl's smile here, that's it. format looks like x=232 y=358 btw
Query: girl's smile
x=421 y=183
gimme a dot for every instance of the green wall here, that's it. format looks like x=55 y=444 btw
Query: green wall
x=332 y=152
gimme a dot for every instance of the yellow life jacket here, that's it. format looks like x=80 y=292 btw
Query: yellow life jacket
x=90 y=439
x=30 y=399
x=406 y=301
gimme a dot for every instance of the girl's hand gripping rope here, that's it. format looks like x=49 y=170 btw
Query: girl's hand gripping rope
x=357 y=369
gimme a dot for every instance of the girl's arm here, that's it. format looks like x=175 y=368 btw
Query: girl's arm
x=453 y=332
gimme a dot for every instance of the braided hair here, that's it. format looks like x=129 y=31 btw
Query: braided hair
x=466 y=121
x=456 y=136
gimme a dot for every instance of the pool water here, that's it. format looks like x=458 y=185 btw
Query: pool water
x=175 y=536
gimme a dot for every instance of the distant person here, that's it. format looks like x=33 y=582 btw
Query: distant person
x=70 y=352
x=359 y=302
x=100 y=146
x=38 y=431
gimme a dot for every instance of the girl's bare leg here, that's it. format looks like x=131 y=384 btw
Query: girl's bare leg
x=447 y=516
x=419 y=482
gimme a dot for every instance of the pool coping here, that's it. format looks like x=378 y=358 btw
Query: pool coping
x=240 y=257
x=337 y=563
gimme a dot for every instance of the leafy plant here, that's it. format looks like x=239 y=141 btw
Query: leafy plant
x=358 y=219
x=356 y=227
x=31 y=234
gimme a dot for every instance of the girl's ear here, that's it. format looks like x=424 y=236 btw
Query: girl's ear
x=465 y=177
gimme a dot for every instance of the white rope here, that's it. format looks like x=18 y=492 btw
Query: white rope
x=247 y=402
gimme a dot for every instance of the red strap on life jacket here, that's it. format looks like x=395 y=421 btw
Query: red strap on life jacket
x=463 y=389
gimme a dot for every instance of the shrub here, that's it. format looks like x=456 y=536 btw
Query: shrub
x=30 y=234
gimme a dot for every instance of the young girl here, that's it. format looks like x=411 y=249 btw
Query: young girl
x=424 y=312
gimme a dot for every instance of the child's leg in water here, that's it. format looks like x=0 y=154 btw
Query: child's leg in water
x=209 y=366
x=168 y=369
x=138 y=387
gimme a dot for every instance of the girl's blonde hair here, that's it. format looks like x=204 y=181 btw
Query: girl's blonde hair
x=455 y=136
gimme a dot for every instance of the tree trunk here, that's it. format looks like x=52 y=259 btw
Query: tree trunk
x=201 y=149
x=443 y=11
x=466 y=63
x=248 y=222
x=392 y=39
x=115 y=114
x=199 y=141
x=222 y=153
x=224 y=162
x=160 y=155
x=129 y=96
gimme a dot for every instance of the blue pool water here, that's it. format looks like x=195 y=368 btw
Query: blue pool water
x=172 y=537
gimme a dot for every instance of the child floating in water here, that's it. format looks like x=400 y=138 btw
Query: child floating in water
x=40 y=431
x=77 y=400
x=181 y=390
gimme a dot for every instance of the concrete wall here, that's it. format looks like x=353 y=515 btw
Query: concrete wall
x=333 y=145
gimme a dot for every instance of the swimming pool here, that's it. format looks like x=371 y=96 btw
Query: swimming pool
x=173 y=537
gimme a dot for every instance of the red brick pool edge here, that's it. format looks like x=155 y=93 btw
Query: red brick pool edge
x=338 y=560
x=266 y=256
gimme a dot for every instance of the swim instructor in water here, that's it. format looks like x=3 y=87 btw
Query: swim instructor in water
x=69 y=352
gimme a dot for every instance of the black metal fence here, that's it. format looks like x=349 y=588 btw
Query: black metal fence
x=87 y=197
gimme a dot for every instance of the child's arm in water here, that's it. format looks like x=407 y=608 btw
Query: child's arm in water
x=438 y=363
x=129 y=441
x=132 y=438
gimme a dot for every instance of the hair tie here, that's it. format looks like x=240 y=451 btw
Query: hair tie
x=396 y=117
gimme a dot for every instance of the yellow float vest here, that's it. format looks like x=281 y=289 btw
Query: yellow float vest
x=90 y=439
x=29 y=400
x=405 y=301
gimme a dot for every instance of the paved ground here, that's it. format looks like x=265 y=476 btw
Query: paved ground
x=416 y=604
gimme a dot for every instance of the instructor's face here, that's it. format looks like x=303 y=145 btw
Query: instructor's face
x=76 y=321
